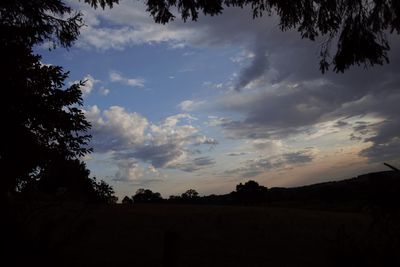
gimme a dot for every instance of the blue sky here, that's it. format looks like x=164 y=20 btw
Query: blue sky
x=209 y=104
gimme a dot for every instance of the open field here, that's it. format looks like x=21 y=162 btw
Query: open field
x=179 y=235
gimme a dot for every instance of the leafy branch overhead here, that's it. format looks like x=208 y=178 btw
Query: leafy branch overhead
x=354 y=31
x=358 y=28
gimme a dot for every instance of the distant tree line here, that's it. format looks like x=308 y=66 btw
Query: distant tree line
x=381 y=189
x=249 y=193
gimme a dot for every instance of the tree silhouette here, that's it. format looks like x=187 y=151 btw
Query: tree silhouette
x=43 y=125
x=42 y=120
x=146 y=196
x=190 y=194
x=127 y=200
x=250 y=193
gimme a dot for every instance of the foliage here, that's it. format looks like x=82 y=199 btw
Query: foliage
x=103 y=192
x=190 y=194
x=250 y=193
x=358 y=27
x=146 y=196
x=69 y=179
x=44 y=131
x=42 y=119
x=127 y=200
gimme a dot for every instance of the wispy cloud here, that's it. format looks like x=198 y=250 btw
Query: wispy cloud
x=190 y=105
x=104 y=91
x=133 y=82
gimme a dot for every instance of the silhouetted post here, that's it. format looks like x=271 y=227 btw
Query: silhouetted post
x=391 y=167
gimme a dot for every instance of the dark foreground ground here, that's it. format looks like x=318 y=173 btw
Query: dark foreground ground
x=178 y=235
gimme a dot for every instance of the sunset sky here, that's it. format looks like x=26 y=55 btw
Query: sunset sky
x=209 y=104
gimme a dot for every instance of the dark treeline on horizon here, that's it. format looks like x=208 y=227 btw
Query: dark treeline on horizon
x=380 y=189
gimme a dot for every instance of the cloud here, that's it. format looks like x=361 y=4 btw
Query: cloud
x=196 y=164
x=128 y=24
x=291 y=100
x=134 y=82
x=234 y=154
x=280 y=93
x=115 y=129
x=190 y=105
x=128 y=170
x=104 y=91
x=257 y=67
x=204 y=140
x=87 y=88
x=254 y=167
x=385 y=142
x=158 y=155
x=131 y=139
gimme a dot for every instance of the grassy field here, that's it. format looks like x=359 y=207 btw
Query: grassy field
x=179 y=235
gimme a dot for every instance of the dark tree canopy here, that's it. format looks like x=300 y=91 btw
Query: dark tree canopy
x=146 y=196
x=44 y=128
x=250 y=192
x=190 y=194
x=42 y=119
x=358 y=28
x=127 y=200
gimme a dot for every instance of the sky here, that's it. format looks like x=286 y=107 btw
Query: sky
x=209 y=104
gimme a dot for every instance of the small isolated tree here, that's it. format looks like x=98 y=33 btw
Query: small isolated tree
x=190 y=194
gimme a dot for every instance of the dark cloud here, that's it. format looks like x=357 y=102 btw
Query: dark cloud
x=299 y=157
x=158 y=155
x=292 y=97
x=256 y=69
x=254 y=167
x=234 y=154
x=196 y=164
x=385 y=142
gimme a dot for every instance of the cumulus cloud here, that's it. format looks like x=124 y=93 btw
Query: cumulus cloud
x=132 y=139
x=87 y=88
x=115 y=129
x=134 y=82
x=128 y=170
